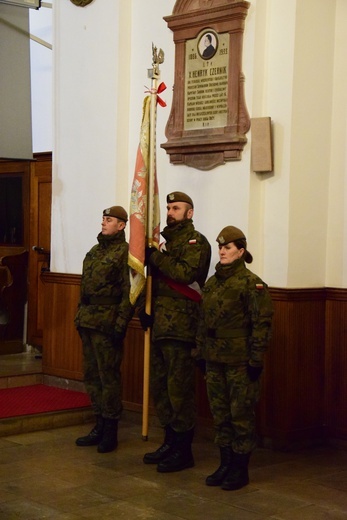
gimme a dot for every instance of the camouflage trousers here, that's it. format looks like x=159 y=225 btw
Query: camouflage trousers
x=102 y=377
x=232 y=397
x=172 y=384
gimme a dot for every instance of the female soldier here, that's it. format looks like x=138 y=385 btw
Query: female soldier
x=233 y=335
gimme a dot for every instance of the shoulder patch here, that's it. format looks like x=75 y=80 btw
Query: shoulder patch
x=192 y=241
x=259 y=286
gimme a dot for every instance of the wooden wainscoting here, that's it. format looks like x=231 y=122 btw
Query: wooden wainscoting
x=304 y=385
x=62 y=348
x=132 y=368
x=291 y=407
x=336 y=364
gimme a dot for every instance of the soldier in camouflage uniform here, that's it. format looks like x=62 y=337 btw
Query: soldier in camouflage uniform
x=233 y=334
x=179 y=271
x=101 y=320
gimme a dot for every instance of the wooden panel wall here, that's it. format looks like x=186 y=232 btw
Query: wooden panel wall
x=61 y=349
x=336 y=364
x=293 y=384
x=304 y=385
x=132 y=367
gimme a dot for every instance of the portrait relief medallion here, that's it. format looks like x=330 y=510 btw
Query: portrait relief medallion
x=207 y=44
x=81 y=3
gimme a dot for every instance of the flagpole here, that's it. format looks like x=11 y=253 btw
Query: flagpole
x=154 y=75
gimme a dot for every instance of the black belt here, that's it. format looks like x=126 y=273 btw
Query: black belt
x=227 y=333
x=101 y=300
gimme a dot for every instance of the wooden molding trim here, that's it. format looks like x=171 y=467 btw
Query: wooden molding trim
x=61 y=278
x=43 y=156
x=321 y=293
x=282 y=294
x=336 y=294
x=277 y=293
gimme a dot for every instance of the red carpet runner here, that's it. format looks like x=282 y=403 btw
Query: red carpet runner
x=35 y=399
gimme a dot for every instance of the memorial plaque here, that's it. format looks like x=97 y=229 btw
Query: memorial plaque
x=208 y=119
x=206 y=81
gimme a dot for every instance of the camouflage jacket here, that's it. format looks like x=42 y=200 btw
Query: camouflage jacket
x=236 y=315
x=185 y=260
x=104 y=303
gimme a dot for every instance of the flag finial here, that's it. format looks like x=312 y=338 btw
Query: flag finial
x=158 y=59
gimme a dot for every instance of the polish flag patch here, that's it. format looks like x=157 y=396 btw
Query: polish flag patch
x=192 y=241
x=259 y=286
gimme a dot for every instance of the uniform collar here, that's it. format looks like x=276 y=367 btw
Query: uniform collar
x=110 y=239
x=170 y=231
x=225 y=271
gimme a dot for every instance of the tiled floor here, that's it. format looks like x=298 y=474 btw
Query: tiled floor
x=44 y=475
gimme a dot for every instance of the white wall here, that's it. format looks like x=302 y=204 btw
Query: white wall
x=336 y=267
x=15 y=104
x=88 y=85
x=221 y=195
x=273 y=41
x=294 y=64
x=310 y=143
x=41 y=61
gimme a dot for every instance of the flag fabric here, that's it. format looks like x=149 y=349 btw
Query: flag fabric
x=139 y=209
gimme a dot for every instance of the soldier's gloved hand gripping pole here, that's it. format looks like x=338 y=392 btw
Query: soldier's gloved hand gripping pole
x=146 y=319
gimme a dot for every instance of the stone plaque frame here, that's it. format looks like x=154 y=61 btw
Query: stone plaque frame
x=208 y=119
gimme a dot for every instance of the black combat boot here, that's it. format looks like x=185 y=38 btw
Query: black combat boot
x=226 y=457
x=109 y=441
x=163 y=451
x=95 y=436
x=237 y=476
x=180 y=456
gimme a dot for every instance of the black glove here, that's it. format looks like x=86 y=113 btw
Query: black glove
x=146 y=320
x=201 y=365
x=148 y=253
x=254 y=372
x=118 y=337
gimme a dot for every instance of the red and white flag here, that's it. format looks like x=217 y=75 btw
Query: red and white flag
x=139 y=204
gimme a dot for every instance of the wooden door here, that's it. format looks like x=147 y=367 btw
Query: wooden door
x=39 y=243
x=14 y=239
